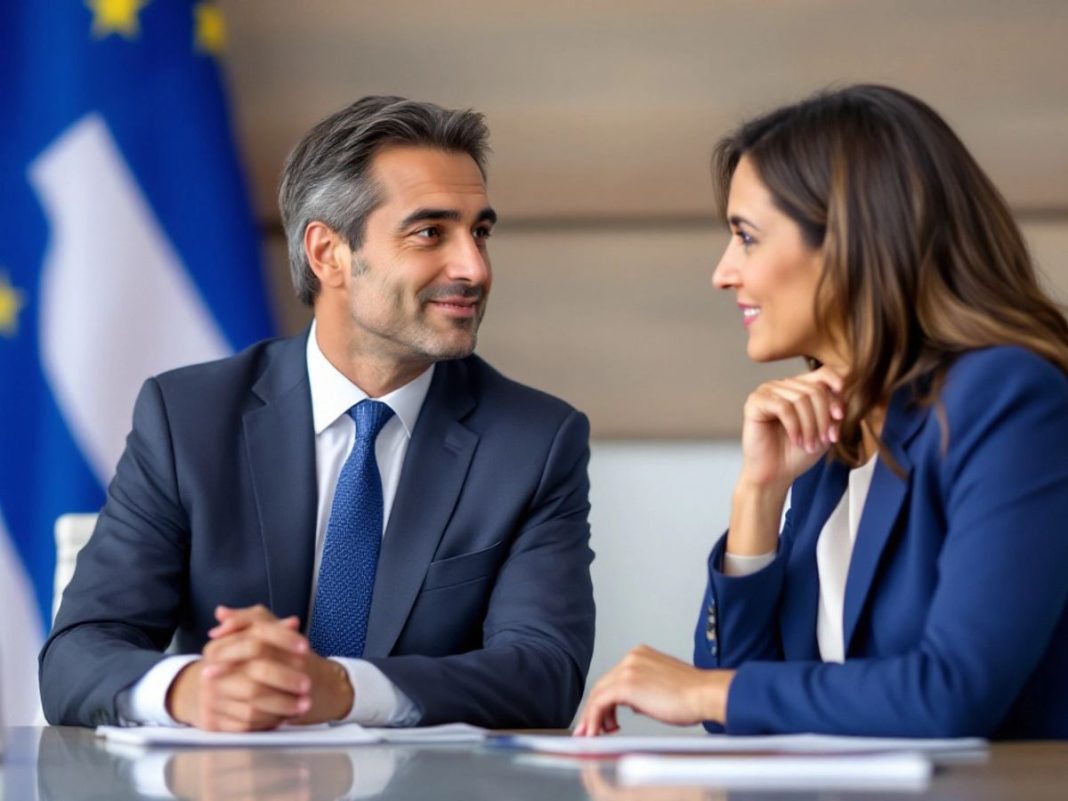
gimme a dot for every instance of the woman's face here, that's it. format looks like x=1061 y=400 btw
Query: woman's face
x=773 y=273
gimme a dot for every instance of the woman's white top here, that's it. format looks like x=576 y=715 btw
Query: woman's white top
x=834 y=549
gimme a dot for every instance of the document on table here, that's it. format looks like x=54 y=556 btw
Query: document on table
x=882 y=771
x=812 y=744
x=289 y=736
x=429 y=735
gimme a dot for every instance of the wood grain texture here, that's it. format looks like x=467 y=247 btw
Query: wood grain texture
x=603 y=107
x=627 y=327
x=603 y=114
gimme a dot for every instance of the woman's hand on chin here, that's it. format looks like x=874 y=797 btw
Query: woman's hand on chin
x=787 y=425
x=660 y=686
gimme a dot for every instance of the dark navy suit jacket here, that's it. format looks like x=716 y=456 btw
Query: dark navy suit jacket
x=955 y=615
x=482 y=608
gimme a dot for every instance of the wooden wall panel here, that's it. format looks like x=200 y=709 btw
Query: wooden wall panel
x=603 y=114
x=626 y=325
x=610 y=107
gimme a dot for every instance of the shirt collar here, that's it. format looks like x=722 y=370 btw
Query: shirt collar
x=332 y=395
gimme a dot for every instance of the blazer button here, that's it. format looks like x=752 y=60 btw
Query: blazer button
x=712 y=647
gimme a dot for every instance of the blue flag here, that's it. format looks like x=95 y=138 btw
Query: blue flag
x=127 y=247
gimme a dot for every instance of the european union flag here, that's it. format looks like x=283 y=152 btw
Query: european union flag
x=127 y=247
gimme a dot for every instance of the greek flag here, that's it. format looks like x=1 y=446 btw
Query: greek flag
x=127 y=247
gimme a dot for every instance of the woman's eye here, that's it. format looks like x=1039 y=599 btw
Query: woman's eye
x=745 y=238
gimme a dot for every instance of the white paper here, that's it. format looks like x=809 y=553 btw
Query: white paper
x=884 y=771
x=347 y=734
x=445 y=733
x=726 y=744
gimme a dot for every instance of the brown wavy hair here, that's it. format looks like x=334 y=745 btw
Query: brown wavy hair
x=922 y=258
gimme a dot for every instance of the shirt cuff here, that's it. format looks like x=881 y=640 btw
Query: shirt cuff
x=734 y=565
x=148 y=698
x=378 y=700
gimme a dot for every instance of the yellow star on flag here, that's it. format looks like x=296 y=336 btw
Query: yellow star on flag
x=11 y=301
x=210 y=29
x=116 y=16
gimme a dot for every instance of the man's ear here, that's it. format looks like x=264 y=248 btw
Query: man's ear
x=328 y=254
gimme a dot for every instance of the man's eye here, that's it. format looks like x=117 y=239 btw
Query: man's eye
x=428 y=233
x=483 y=233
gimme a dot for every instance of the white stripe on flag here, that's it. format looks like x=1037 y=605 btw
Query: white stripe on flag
x=20 y=639
x=116 y=303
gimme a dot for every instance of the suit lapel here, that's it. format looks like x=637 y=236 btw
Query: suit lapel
x=802 y=590
x=886 y=498
x=281 y=452
x=434 y=471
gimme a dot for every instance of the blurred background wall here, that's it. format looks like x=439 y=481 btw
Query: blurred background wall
x=603 y=114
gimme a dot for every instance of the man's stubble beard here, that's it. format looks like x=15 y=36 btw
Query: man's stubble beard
x=417 y=335
x=446 y=353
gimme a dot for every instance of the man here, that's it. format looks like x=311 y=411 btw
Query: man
x=363 y=523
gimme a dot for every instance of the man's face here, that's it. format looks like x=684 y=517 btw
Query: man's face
x=421 y=277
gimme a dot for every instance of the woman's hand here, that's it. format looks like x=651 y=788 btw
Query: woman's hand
x=656 y=685
x=788 y=424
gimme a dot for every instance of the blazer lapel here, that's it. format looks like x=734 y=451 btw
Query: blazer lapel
x=281 y=452
x=886 y=498
x=802 y=591
x=434 y=471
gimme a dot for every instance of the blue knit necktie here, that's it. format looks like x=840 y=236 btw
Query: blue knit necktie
x=353 y=539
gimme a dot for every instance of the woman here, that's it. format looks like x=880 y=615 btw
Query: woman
x=918 y=585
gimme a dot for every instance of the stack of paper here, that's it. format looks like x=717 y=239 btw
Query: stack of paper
x=887 y=771
x=811 y=744
x=289 y=736
x=795 y=761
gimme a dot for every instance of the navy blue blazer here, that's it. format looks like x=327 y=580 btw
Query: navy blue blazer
x=955 y=615
x=482 y=608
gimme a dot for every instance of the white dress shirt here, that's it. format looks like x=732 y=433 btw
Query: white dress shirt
x=378 y=702
x=834 y=550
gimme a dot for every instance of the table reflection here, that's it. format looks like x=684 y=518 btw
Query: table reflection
x=237 y=775
x=85 y=767
x=57 y=764
x=600 y=784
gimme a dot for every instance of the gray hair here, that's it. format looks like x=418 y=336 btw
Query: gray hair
x=327 y=176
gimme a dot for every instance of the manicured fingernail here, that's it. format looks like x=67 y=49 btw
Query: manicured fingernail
x=303 y=705
x=832 y=432
x=837 y=412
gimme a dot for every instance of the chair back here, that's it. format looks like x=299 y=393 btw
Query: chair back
x=72 y=532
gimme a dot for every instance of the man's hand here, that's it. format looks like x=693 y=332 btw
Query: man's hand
x=253 y=774
x=257 y=673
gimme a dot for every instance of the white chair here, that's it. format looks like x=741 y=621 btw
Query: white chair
x=72 y=532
